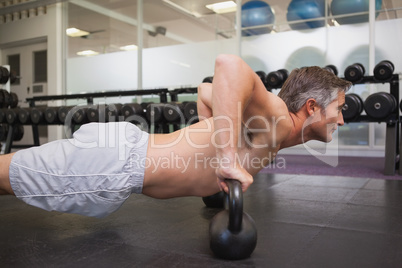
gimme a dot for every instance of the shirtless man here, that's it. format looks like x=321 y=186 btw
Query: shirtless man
x=242 y=127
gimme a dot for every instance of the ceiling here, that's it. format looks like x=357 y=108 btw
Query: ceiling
x=113 y=23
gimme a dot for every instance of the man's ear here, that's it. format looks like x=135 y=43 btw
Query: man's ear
x=311 y=106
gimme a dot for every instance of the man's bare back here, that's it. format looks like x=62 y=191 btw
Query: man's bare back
x=190 y=157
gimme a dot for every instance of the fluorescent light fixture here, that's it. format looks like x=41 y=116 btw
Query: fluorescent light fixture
x=178 y=7
x=74 y=32
x=223 y=7
x=87 y=53
x=129 y=47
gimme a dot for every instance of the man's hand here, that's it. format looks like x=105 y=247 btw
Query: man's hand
x=235 y=173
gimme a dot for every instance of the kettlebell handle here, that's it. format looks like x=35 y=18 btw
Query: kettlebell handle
x=235 y=204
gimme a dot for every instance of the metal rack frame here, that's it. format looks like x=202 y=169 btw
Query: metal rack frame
x=392 y=137
x=162 y=92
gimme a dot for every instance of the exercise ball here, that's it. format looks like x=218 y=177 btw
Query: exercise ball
x=255 y=13
x=306 y=9
x=342 y=7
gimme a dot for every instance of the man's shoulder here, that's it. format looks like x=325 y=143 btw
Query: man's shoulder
x=283 y=121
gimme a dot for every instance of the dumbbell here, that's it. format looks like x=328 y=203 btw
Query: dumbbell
x=380 y=105
x=4 y=75
x=263 y=76
x=96 y=113
x=103 y=112
x=38 y=115
x=154 y=113
x=80 y=115
x=134 y=113
x=113 y=111
x=8 y=99
x=144 y=106
x=331 y=68
x=5 y=98
x=208 y=79
x=190 y=112
x=3 y=132
x=24 y=116
x=383 y=70
x=18 y=132
x=173 y=112
x=13 y=100
x=232 y=232
x=353 y=106
x=355 y=72
x=12 y=115
x=62 y=113
x=51 y=116
x=17 y=135
x=130 y=109
x=3 y=116
x=2 y=102
x=277 y=78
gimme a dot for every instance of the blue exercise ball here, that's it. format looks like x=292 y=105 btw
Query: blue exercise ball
x=306 y=9
x=341 y=7
x=255 y=13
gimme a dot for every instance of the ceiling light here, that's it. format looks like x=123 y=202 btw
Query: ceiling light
x=223 y=7
x=74 y=32
x=129 y=47
x=87 y=53
x=195 y=14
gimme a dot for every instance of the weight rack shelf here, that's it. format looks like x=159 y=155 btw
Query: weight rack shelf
x=162 y=92
x=393 y=137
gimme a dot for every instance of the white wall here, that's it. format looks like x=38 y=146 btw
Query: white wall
x=44 y=27
x=172 y=67
x=186 y=65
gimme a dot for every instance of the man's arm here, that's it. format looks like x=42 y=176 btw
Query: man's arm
x=237 y=96
x=204 y=101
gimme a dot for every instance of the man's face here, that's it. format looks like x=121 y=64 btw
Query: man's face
x=326 y=123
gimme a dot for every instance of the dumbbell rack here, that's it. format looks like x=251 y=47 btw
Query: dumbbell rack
x=176 y=92
x=162 y=92
x=393 y=143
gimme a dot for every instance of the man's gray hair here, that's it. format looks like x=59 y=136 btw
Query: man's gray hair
x=311 y=83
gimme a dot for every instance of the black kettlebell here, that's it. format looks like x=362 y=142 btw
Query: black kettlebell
x=232 y=233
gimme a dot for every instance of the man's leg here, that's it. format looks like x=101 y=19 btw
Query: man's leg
x=5 y=187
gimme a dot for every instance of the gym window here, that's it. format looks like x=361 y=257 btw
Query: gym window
x=40 y=66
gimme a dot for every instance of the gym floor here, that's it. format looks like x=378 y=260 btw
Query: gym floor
x=302 y=221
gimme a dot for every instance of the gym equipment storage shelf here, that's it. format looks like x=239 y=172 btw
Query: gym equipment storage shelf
x=393 y=138
x=162 y=92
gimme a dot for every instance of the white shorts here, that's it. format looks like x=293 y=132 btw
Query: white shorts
x=91 y=174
